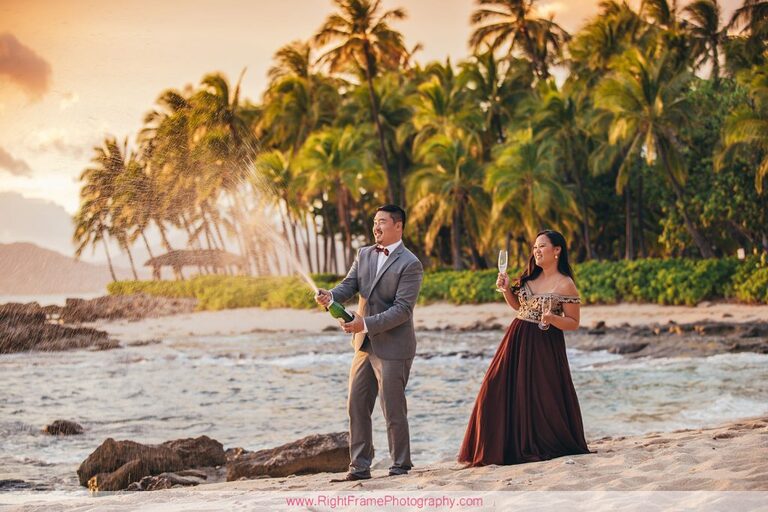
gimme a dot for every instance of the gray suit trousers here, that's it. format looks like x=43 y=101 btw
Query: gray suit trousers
x=370 y=375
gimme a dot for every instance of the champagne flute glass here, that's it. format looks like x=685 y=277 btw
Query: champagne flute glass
x=502 y=266
x=546 y=307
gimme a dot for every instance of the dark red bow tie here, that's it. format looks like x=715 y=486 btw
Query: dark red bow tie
x=381 y=249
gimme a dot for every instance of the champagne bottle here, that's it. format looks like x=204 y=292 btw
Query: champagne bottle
x=338 y=311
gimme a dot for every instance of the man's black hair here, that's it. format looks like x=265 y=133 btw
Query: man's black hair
x=398 y=214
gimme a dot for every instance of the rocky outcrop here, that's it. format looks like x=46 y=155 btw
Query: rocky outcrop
x=317 y=453
x=115 y=465
x=698 y=339
x=63 y=428
x=131 y=307
x=24 y=327
x=185 y=478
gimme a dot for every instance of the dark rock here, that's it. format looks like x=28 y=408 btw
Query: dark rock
x=131 y=307
x=198 y=452
x=166 y=481
x=316 y=453
x=714 y=328
x=758 y=346
x=52 y=310
x=143 y=343
x=24 y=327
x=234 y=454
x=754 y=330
x=598 y=329
x=123 y=476
x=15 y=313
x=681 y=329
x=14 y=485
x=116 y=464
x=627 y=348
x=63 y=428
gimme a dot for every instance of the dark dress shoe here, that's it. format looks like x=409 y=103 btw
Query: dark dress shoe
x=353 y=477
x=397 y=471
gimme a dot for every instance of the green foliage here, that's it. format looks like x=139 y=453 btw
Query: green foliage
x=460 y=287
x=750 y=282
x=673 y=281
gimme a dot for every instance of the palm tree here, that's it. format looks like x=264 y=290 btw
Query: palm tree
x=750 y=47
x=277 y=180
x=646 y=101
x=441 y=105
x=525 y=187
x=336 y=161
x=706 y=34
x=394 y=92
x=165 y=145
x=298 y=100
x=448 y=191
x=753 y=15
x=514 y=22
x=365 y=43
x=616 y=28
x=93 y=218
x=498 y=87
x=746 y=129
x=557 y=120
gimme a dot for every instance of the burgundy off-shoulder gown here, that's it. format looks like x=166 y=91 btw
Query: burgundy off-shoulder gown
x=527 y=409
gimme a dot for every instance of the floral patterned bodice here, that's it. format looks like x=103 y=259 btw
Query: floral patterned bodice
x=533 y=304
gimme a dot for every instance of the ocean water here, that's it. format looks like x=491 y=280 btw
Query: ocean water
x=264 y=389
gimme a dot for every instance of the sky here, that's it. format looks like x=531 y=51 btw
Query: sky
x=75 y=71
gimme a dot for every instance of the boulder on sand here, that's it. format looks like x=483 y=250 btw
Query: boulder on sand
x=317 y=453
x=114 y=465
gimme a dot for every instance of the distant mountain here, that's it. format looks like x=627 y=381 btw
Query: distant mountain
x=26 y=269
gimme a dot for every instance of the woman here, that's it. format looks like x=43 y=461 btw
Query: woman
x=527 y=408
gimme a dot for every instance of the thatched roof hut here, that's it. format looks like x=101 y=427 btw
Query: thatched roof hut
x=204 y=258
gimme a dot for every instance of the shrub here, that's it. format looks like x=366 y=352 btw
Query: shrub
x=671 y=281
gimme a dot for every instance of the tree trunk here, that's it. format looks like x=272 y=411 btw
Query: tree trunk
x=177 y=274
x=307 y=247
x=317 y=244
x=393 y=181
x=146 y=244
x=214 y=217
x=193 y=239
x=456 y=238
x=584 y=215
x=105 y=242
x=629 y=247
x=715 y=63
x=130 y=258
x=640 y=207
x=698 y=238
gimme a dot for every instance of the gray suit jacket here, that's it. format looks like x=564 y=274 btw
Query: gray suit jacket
x=387 y=299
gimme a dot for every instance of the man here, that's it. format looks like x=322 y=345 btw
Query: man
x=388 y=278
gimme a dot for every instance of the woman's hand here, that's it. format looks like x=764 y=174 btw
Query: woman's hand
x=502 y=281
x=547 y=317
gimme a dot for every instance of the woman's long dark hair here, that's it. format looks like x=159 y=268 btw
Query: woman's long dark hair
x=533 y=270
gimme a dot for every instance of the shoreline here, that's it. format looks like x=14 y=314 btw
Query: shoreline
x=431 y=317
x=727 y=460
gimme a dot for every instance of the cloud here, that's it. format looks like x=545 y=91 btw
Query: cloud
x=15 y=166
x=23 y=66
x=62 y=146
x=68 y=99
x=60 y=141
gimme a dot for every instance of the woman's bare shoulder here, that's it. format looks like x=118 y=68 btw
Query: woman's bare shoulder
x=568 y=287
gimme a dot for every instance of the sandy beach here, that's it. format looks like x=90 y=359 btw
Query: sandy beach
x=710 y=469
x=429 y=317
